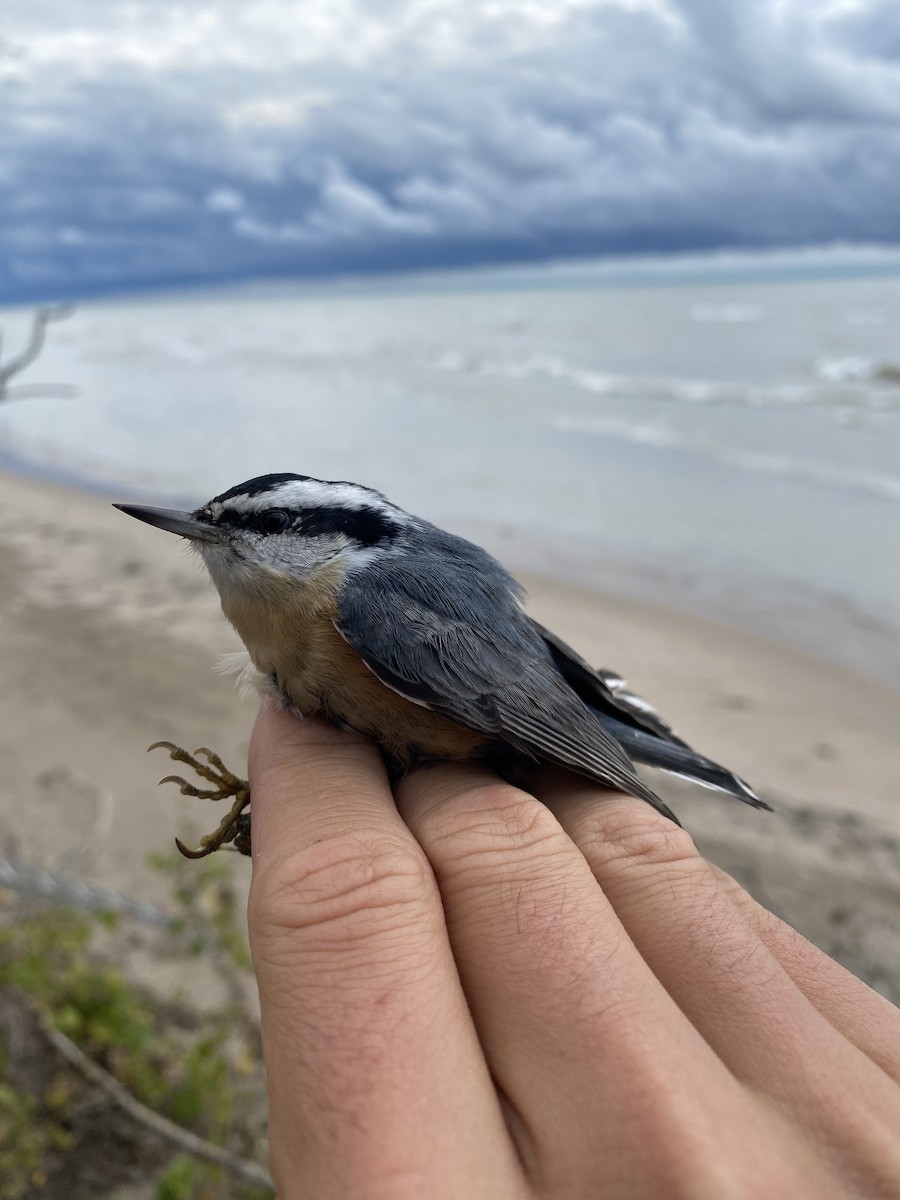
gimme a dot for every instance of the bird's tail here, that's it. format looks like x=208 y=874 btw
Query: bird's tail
x=679 y=759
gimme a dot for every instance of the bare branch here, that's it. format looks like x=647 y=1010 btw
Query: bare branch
x=186 y=1141
x=39 y=322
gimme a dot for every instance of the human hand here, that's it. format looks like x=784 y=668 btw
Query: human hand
x=469 y=992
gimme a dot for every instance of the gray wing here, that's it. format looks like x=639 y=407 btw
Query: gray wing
x=637 y=727
x=605 y=690
x=459 y=643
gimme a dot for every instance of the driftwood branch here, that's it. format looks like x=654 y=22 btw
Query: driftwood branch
x=186 y=1141
x=39 y=322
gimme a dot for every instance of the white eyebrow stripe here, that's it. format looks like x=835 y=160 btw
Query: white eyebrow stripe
x=310 y=493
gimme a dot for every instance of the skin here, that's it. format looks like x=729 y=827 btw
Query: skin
x=468 y=991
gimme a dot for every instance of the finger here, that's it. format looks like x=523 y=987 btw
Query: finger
x=286 y=752
x=864 y=1017
x=724 y=977
x=592 y=1053
x=376 y=1079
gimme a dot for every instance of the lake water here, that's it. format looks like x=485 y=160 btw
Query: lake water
x=730 y=447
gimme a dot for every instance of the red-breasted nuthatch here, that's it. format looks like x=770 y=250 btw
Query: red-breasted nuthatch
x=376 y=619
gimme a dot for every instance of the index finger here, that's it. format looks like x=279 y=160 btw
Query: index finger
x=374 y=1070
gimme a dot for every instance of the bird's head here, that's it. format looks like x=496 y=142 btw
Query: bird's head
x=283 y=528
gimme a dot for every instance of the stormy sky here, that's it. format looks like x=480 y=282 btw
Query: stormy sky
x=153 y=141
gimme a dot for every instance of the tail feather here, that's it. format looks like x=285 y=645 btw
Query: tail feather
x=679 y=759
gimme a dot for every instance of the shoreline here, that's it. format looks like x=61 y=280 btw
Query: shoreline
x=109 y=635
x=820 y=625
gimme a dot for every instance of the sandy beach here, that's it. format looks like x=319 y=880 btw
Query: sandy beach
x=109 y=633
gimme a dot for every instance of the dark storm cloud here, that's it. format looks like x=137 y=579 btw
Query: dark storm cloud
x=160 y=141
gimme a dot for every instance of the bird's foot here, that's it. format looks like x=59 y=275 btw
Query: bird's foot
x=233 y=828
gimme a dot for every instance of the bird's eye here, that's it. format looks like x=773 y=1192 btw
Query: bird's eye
x=274 y=520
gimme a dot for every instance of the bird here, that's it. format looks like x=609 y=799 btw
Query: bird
x=355 y=610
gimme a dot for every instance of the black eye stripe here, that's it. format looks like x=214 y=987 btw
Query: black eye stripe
x=267 y=520
x=364 y=525
x=367 y=526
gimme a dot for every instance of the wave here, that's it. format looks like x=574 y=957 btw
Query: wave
x=859 y=384
x=729 y=314
x=855 y=369
x=885 y=487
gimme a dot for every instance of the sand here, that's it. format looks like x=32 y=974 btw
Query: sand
x=109 y=633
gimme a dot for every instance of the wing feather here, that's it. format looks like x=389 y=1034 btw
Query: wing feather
x=638 y=727
x=606 y=690
x=479 y=660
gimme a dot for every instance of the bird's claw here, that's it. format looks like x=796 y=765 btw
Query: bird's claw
x=235 y=826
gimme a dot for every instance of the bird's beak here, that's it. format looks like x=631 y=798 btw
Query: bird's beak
x=173 y=521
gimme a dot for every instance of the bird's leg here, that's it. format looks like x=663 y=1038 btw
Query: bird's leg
x=242 y=833
x=235 y=827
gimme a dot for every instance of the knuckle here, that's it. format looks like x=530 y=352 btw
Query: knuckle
x=351 y=887
x=630 y=836
x=492 y=825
